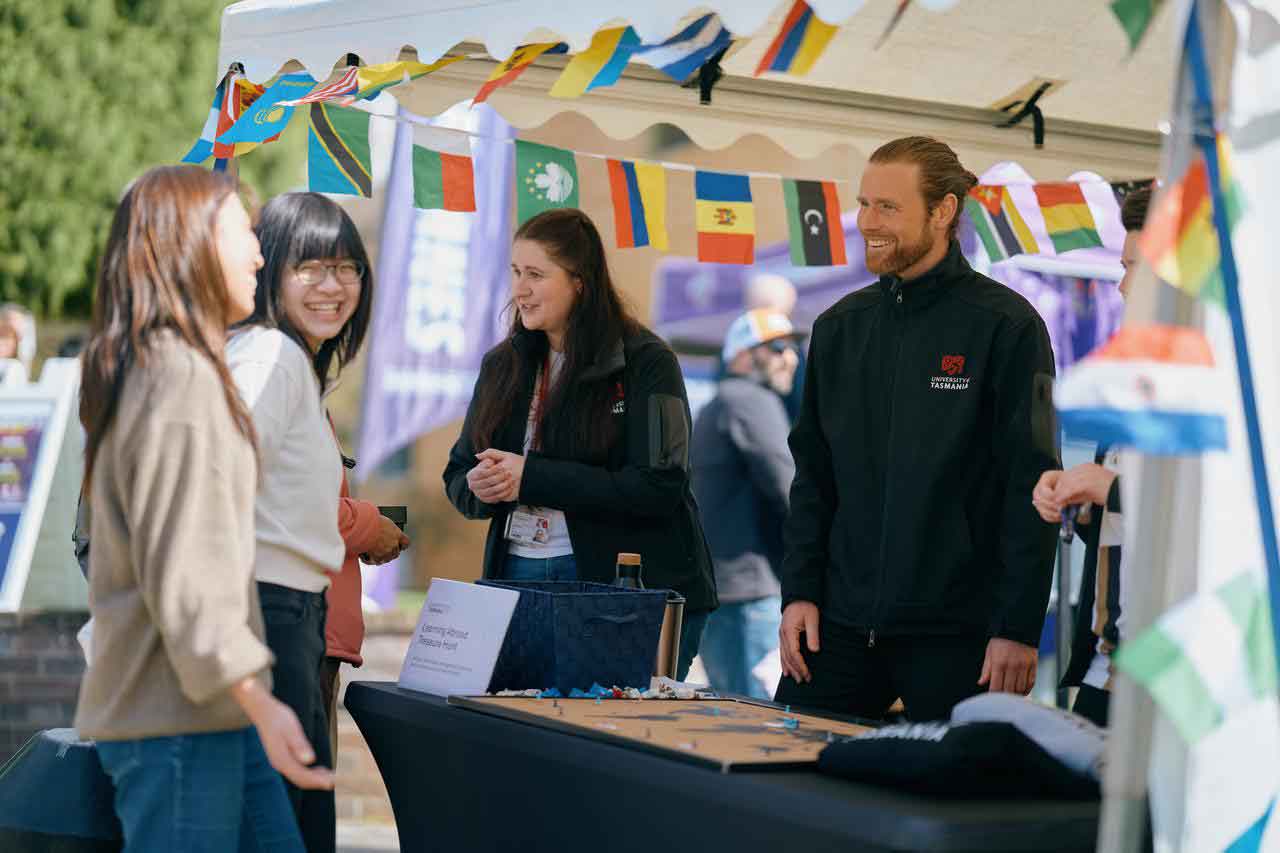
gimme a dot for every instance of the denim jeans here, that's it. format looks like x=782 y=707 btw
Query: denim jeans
x=540 y=569
x=202 y=793
x=738 y=636
x=295 y=634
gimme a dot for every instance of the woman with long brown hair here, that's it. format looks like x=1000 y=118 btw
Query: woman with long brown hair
x=177 y=694
x=576 y=442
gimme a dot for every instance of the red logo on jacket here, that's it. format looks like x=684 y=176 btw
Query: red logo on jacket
x=953 y=365
x=619 y=400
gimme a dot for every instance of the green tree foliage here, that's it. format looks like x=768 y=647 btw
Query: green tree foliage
x=93 y=93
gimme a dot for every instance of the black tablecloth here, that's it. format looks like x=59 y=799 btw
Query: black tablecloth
x=460 y=780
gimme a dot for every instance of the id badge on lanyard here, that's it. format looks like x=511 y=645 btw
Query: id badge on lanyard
x=531 y=525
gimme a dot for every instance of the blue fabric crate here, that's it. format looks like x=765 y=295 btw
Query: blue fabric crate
x=568 y=634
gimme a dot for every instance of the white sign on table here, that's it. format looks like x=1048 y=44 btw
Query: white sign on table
x=459 y=634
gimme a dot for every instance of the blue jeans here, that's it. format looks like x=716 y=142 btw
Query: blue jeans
x=202 y=793
x=540 y=569
x=738 y=636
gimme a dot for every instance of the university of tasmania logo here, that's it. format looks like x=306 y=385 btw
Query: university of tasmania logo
x=952 y=378
x=953 y=365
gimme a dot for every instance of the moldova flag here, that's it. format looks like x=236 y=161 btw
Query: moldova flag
x=639 y=192
x=813 y=221
x=599 y=65
x=726 y=218
x=1067 y=217
x=1003 y=231
x=520 y=59
x=443 y=174
x=802 y=39
x=338 y=157
x=1152 y=388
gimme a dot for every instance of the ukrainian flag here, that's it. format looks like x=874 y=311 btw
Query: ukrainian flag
x=726 y=218
x=802 y=39
x=599 y=65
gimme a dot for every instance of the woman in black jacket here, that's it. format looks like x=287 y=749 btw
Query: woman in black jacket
x=576 y=442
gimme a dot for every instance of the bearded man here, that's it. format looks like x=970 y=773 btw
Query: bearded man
x=915 y=566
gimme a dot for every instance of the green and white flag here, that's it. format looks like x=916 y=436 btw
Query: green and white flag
x=546 y=178
x=1207 y=658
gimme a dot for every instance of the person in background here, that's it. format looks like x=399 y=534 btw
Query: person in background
x=17 y=344
x=776 y=293
x=1099 y=619
x=317 y=289
x=177 y=693
x=576 y=441
x=742 y=471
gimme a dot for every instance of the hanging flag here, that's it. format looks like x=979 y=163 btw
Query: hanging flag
x=688 y=50
x=1152 y=388
x=1179 y=239
x=1135 y=16
x=347 y=84
x=203 y=147
x=520 y=59
x=1067 y=216
x=338 y=157
x=241 y=95
x=726 y=218
x=443 y=174
x=599 y=65
x=546 y=178
x=813 y=221
x=372 y=80
x=803 y=38
x=268 y=117
x=1207 y=658
x=639 y=192
x=1003 y=231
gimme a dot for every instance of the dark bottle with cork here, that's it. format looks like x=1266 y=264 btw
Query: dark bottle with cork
x=628 y=572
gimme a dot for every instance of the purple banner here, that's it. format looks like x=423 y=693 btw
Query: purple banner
x=442 y=282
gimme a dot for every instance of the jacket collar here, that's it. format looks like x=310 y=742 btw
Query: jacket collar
x=533 y=346
x=924 y=289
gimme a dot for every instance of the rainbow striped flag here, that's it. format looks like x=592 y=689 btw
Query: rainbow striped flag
x=338 y=157
x=639 y=192
x=802 y=39
x=1067 y=216
x=1179 y=240
x=726 y=218
x=520 y=59
x=599 y=65
x=1003 y=231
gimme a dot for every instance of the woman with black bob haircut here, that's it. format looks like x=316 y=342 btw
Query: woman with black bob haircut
x=311 y=311
x=576 y=441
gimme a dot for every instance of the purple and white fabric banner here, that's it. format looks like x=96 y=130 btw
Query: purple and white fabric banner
x=442 y=282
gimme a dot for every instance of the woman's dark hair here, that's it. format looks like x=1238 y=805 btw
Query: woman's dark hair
x=297 y=227
x=159 y=273
x=598 y=322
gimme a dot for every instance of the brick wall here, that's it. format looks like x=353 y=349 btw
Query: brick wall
x=40 y=670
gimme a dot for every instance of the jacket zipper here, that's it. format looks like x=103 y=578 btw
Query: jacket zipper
x=896 y=311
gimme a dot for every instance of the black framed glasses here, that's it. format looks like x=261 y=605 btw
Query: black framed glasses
x=780 y=346
x=346 y=271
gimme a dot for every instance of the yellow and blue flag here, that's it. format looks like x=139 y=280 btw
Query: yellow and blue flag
x=338 y=156
x=599 y=65
x=802 y=39
x=267 y=117
x=726 y=218
x=639 y=193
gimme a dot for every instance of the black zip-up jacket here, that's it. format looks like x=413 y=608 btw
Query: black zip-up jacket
x=911 y=507
x=639 y=501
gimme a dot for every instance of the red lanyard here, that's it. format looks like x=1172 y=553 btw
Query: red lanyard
x=539 y=399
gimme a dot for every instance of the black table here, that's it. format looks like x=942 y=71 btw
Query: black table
x=460 y=780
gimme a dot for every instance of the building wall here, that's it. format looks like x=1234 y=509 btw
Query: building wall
x=40 y=670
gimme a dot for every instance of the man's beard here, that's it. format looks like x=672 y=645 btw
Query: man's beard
x=903 y=256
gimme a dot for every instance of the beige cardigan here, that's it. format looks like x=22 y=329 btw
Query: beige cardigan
x=171 y=590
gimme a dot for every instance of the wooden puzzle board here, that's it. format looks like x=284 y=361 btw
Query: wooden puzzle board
x=726 y=734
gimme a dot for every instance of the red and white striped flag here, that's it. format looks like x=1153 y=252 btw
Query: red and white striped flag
x=348 y=84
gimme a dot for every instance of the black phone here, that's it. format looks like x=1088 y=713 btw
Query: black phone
x=398 y=514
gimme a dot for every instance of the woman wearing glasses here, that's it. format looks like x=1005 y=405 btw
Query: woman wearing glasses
x=310 y=314
x=576 y=442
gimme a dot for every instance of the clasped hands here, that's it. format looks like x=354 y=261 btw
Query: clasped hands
x=497 y=478
x=1084 y=484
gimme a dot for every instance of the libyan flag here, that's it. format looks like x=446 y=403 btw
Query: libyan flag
x=443 y=176
x=546 y=178
x=813 y=221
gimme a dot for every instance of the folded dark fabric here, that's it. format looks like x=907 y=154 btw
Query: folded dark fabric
x=964 y=761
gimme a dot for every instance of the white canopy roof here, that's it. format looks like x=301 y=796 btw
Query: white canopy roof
x=938 y=73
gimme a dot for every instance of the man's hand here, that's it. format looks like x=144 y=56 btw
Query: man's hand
x=1009 y=667
x=1042 y=497
x=799 y=617
x=1086 y=483
x=387 y=546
